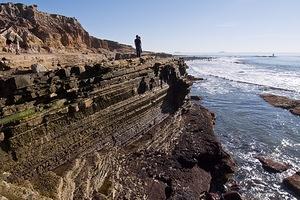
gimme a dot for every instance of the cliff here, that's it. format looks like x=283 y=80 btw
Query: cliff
x=89 y=121
x=43 y=32
x=116 y=130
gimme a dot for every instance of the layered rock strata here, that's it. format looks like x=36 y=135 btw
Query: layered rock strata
x=118 y=130
x=42 y=32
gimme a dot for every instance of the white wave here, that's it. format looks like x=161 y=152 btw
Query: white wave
x=234 y=69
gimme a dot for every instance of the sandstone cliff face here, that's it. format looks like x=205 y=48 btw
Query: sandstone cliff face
x=49 y=32
x=119 y=130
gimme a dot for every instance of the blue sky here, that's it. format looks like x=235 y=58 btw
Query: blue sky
x=188 y=25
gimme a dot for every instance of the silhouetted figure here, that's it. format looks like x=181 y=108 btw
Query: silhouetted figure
x=142 y=87
x=138 y=46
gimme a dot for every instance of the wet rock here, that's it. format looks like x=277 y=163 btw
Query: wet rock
x=196 y=98
x=232 y=196
x=296 y=111
x=293 y=183
x=213 y=196
x=38 y=68
x=283 y=102
x=232 y=185
x=272 y=166
x=280 y=101
x=193 y=78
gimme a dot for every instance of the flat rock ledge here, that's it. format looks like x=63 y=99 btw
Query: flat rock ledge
x=283 y=102
x=272 y=166
x=293 y=183
x=117 y=130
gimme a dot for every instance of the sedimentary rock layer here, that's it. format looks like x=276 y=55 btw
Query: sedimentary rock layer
x=124 y=129
x=39 y=31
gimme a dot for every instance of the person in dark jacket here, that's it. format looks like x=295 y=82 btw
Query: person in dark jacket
x=138 y=46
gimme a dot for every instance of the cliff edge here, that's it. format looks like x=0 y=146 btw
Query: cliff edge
x=43 y=32
x=106 y=126
x=108 y=131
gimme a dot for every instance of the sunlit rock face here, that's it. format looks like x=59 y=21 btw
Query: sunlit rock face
x=121 y=129
x=43 y=32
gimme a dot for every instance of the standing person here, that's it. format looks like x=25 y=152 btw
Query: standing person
x=138 y=45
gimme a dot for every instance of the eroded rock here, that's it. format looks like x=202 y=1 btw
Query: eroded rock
x=104 y=140
x=283 y=102
x=196 y=98
x=296 y=110
x=273 y=166
x=193 y=78
x=50 y=32
x=293 y=183
x=38 y=68
x=232 y=196
x=22 y=81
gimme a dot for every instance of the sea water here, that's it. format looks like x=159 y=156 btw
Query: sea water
x=248 y=126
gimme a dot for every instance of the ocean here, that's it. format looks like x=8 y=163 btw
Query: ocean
x=248 y=126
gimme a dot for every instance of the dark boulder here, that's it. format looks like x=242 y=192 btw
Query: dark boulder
x=196 y=98
x=272 y=166
x=193 y=78
x=232 y=196
x=293 y=183
x=77 y=70
x=63 y=73
x=212 y=196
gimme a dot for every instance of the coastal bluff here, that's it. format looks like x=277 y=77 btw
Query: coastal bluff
x=115 y=130
x=40 y=32
x=82 y=118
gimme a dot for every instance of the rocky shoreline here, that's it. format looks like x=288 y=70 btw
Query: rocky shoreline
x=82 y=118
x=283 y=102
x=115 y=130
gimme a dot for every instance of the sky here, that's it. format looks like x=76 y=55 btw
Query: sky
x=188 y=25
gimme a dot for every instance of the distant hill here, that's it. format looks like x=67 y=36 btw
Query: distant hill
x=43 y=32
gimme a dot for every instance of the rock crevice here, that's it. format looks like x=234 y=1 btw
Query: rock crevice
x=87 y=132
